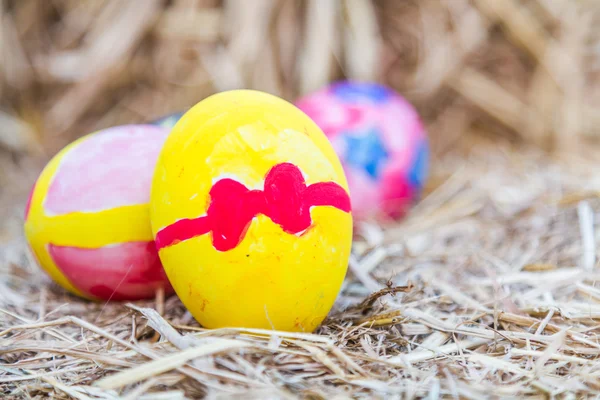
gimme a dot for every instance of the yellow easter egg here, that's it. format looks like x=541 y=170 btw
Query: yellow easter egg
x=251 y=215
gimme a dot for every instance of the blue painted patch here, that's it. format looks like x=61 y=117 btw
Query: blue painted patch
x=366 y=152
x=360 y=91
x=420 y=168
x=168 y=121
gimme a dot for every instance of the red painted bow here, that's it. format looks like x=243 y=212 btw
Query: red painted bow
x=286 y=200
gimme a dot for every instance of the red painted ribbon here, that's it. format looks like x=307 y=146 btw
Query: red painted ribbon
x=286 y=200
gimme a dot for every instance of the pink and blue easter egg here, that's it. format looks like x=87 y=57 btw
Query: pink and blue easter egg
x=380 y=140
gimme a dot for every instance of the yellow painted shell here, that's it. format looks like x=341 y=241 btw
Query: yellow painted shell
x=251 y=214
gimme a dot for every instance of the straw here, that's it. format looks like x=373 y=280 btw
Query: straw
x=487 y=289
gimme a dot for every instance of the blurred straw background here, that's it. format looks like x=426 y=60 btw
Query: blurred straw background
x=498 y=234
x=525 y=69
x=522 y=70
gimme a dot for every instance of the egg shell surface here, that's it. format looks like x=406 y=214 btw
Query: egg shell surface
x=87 y=220
x=251 y=214
x=380 y=141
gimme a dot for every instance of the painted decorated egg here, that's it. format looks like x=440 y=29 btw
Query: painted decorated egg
x=251 y=214
x=380 y=140
x=87 y=221
x=168 y=121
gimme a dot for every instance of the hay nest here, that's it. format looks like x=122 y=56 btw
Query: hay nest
x=488 y=289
